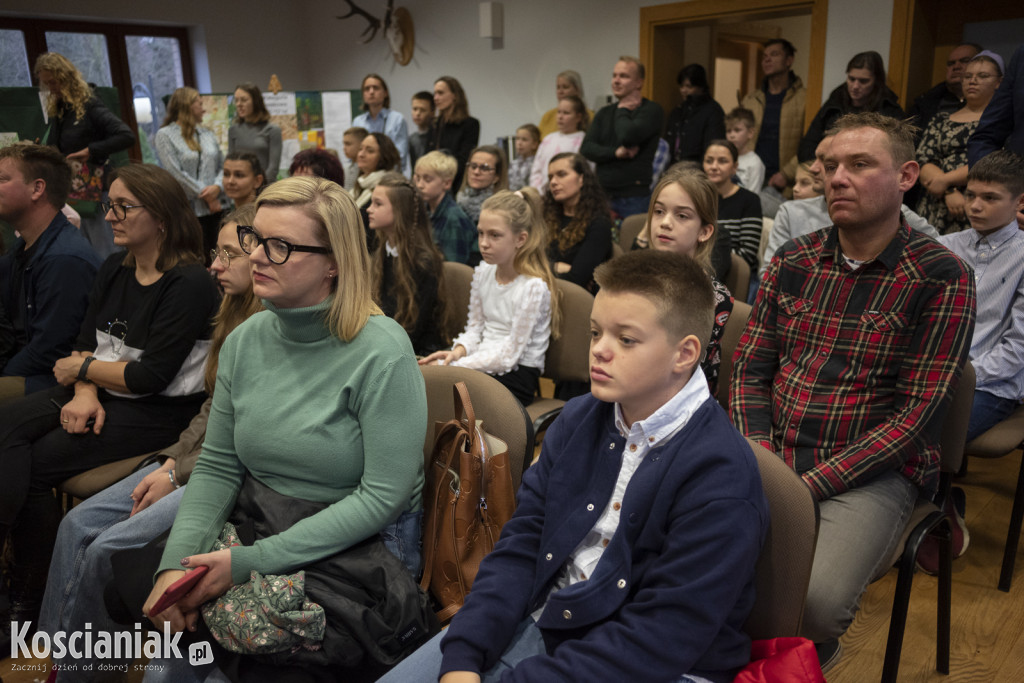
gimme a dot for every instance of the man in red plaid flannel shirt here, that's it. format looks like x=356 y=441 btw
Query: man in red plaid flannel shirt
x=847 y=366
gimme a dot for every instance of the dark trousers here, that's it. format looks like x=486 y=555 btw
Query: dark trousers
x=36 y=455
x=523 y=382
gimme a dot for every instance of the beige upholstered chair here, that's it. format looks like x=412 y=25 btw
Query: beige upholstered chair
x=1003 y=439
x=459 y=279
x=502 y=415
x=630 y=228
x=568 y=357
x=784 y=567
x=734 y=327
x=738 y=280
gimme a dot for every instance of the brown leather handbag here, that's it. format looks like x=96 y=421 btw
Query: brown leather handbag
x=468 y=497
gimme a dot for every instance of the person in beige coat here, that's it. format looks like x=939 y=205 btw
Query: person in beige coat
x=778 y=106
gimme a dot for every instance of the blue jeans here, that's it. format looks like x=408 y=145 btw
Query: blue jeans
x=401 y=537
x=80 y=568
x=630 y=206
x=425 y=663
x=857 y=536
x=988 y=411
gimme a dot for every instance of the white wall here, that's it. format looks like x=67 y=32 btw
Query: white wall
x=508 y=82
x=854 y=27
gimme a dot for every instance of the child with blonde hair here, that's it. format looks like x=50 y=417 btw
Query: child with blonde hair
x=513 y=304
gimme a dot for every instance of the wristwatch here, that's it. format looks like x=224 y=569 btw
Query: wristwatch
x=84 y=369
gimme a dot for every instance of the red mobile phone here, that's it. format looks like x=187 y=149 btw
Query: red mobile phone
x=177 y=590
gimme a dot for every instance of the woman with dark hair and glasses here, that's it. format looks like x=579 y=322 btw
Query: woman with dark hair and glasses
x=697 y=120
x=141 y=506
x=318 y=415
x=133 y=381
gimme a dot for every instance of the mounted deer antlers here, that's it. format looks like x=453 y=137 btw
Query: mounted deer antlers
x=374 y=22
x=397 y=25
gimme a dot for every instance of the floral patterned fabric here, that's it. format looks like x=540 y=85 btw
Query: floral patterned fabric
x=265 y=615
x=945 y=145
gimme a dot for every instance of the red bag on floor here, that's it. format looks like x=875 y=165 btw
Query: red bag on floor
x=782 y=660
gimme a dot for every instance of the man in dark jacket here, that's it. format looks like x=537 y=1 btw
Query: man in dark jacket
x=46 y=276
x=623 y=138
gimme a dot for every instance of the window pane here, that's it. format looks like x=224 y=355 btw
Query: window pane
x=155 y=67
x=14 y=71
x=87 y=51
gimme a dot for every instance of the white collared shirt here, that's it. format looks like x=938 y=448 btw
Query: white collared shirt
x=641 y=437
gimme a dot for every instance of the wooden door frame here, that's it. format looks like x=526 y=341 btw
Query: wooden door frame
x=702 y=10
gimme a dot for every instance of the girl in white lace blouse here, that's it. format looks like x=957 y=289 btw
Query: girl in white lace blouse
x=513 y=305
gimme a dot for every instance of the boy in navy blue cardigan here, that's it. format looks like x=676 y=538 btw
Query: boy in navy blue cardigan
x=631 y=554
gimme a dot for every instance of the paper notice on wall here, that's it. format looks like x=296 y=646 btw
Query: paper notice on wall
x=337 y=113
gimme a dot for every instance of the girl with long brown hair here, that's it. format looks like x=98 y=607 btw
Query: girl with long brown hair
x=407 y=268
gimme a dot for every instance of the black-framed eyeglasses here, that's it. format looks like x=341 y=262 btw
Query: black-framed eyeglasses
x=277 y=250
x=120 y=210
x=224 y=255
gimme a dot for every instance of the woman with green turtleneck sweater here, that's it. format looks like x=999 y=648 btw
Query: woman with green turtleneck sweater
x=318 y=398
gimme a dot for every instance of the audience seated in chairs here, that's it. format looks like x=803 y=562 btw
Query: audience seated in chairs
x=139 y=508
x=692 y=489
x=132 y=382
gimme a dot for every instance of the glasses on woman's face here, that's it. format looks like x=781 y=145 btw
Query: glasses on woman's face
x=981 y=77
x=224 y=255
x=276 y=249
x=483 y=168
x=120 y=210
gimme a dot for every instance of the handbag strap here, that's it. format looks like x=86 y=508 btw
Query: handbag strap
x=463 y=404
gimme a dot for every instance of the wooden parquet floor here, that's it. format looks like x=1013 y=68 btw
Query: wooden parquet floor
x=987 y=625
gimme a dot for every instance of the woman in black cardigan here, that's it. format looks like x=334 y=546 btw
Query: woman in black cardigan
x=454 y=130
x=697 y=120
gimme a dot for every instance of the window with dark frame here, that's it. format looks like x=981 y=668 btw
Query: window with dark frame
x=145 y=63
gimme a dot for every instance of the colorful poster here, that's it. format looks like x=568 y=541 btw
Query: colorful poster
x=218 y=116
x=309 y=110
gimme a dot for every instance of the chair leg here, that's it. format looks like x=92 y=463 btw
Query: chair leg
x=945 y=597
x=1013 y=536
x=898 y=620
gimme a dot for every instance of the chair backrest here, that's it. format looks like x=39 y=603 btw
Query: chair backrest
x=730 y=338
x=568 y=357
x=784 y=566
x=630 y=228
x=766 y=231
x=954 y=427
x=458 y=278
x=738 y=280
x=616 y=250
x=500 y=412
